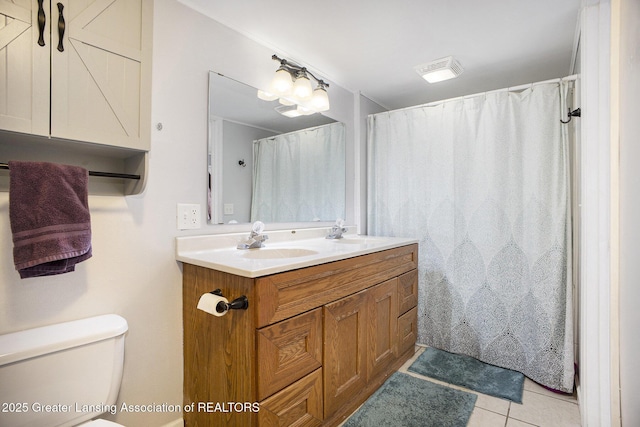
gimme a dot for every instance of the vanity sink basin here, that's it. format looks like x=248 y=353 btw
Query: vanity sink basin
x=277 y=253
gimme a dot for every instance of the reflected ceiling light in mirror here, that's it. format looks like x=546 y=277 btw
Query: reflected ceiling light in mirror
x=292 y=86
x=288 y=110
x=440 y=69
x=267 y=96
x=304 y=111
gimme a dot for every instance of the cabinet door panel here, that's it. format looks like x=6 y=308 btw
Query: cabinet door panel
x=288 y=350
x=24 y=69
x=98 y=81
x=344 y=350
x=298 y=405
x=382 y=327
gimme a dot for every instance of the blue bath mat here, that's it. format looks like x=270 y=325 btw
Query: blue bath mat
x=407 y=401
x=470 y=373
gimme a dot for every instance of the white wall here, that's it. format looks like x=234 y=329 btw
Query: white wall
x=133 y=271
x=629 y=211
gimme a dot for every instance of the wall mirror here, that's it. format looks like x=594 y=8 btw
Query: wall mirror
x=268 y=167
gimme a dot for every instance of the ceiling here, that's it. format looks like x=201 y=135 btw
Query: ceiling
x=372 y=46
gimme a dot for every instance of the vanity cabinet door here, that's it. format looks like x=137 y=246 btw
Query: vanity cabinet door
x=24 y=68
x=345 y=337
x=382 y=335
x=287 y=351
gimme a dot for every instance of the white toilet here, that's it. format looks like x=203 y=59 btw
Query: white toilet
x=62 y=375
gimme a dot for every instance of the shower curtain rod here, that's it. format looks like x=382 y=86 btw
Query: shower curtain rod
x=94 y=173
x=311 y=129
x=572 y=77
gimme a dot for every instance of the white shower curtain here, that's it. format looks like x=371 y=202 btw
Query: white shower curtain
x=300 y=176
x=483 y=183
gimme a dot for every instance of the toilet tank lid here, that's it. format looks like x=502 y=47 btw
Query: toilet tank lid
x=48 y=339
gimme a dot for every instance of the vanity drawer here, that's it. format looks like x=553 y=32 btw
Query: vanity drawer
x=407 y=291
x=407 y=330
x=287 y=294
x=287 y=351
x=300 y=404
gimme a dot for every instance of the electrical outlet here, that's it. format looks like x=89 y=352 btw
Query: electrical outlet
x=228 y=208
x=188 y=216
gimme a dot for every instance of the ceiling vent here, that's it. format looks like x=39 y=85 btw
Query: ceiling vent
x=440 y=69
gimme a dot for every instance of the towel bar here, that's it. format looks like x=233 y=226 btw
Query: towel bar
x=95 y=173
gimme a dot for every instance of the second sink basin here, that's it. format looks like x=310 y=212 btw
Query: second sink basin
x=276 y=253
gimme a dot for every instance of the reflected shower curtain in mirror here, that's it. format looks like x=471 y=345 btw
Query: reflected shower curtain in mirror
x=300 y=176
x=483 y=183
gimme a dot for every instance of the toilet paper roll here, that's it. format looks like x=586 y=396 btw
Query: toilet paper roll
x=211 y=304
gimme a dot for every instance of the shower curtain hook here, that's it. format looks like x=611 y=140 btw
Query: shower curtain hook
x=574 y=113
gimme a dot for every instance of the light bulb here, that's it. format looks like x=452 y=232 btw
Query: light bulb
x=281 y=83
x=302 y=89
x=320 y=99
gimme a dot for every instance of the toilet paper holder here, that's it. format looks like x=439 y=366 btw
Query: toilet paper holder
x=216 y=304
x=240 y=303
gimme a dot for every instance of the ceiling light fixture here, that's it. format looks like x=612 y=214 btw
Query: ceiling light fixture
x=292 y=86
x=440 y=69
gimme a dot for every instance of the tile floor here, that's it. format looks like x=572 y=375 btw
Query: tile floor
x=540 y=407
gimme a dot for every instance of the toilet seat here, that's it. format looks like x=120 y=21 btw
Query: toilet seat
x=100 y=423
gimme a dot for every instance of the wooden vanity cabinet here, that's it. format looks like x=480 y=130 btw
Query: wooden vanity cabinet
x=313 y=345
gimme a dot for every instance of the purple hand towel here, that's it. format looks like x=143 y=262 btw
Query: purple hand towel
x=50 y=220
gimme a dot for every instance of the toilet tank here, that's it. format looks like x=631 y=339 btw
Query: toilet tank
x=62 y=374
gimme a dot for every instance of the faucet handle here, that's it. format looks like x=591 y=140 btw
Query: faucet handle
x=337 y=229
x=257 y=227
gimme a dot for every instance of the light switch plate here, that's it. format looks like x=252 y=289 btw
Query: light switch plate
x=188 y=216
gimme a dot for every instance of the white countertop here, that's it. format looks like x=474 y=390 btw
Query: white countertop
x=284 y=250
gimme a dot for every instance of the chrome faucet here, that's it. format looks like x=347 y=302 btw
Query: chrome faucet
x=337 y=230
x=256 y=238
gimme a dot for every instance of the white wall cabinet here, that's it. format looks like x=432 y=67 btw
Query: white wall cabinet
x=83 y=74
